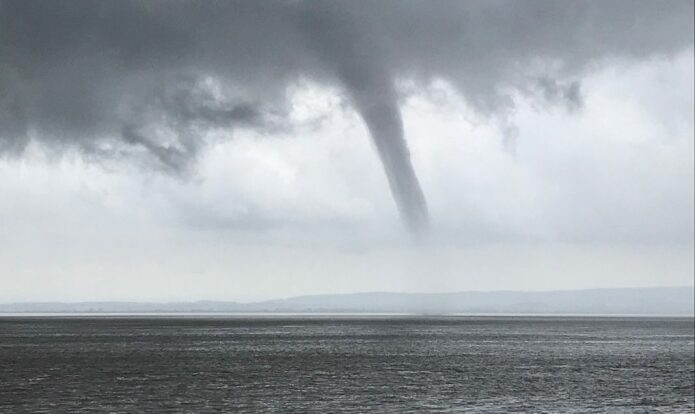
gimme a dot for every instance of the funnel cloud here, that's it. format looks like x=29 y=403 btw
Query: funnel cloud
x=363 y=74
x=383 y=119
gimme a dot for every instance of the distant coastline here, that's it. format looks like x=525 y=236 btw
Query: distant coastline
x=662 y=301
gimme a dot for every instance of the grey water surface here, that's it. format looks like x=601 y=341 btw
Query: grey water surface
x=346 y=364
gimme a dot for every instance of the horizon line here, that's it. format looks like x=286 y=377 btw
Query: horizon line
x=190 y=301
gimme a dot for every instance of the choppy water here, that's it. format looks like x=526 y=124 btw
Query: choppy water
x=346 y=364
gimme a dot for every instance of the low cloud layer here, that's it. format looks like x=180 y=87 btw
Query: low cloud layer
x=157 y=79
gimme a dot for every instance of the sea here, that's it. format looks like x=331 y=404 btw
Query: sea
x=345 y=363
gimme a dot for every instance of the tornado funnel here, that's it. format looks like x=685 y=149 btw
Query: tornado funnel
x=382 y=117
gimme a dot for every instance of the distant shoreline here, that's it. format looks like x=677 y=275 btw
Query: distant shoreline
x=665 y=301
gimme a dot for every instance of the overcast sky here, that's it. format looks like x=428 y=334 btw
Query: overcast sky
x=250 y=150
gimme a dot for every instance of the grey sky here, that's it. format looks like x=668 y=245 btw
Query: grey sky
x=182 y=150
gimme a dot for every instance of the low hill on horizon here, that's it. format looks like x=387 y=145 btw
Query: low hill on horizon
x=616 y=301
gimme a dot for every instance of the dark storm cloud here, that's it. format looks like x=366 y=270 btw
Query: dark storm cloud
x=115 y=76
